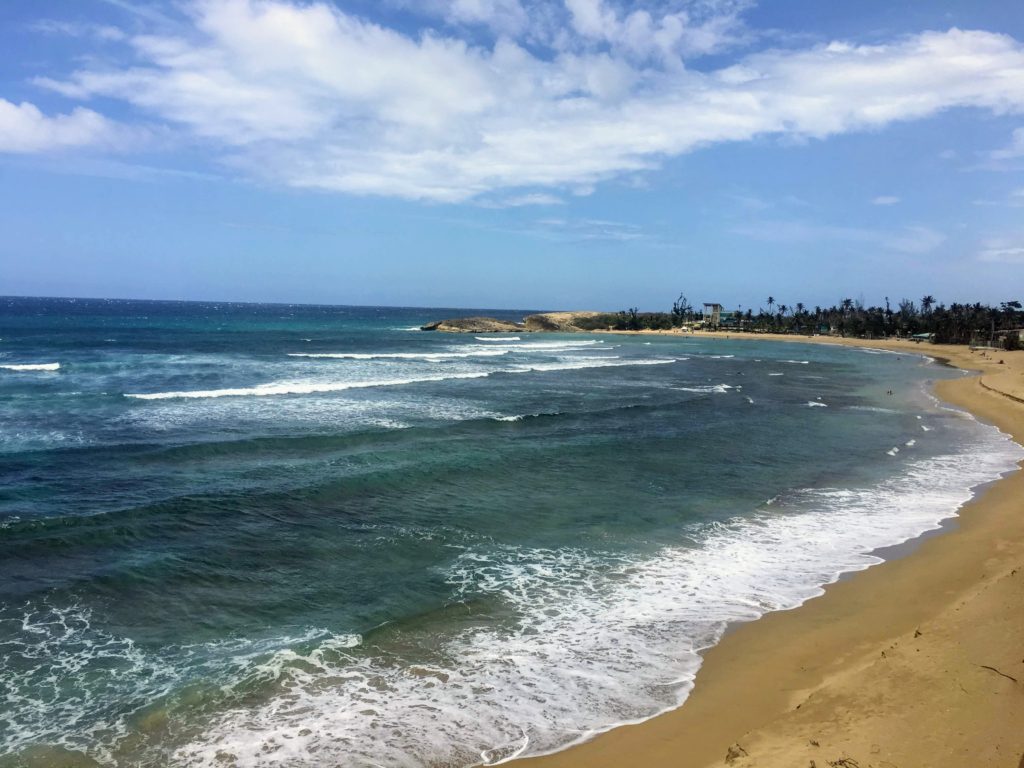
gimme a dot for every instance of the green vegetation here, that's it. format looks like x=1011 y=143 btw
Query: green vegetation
x=954 y=324
x=627 y=320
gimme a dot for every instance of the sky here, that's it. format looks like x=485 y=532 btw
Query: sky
x=547 y=154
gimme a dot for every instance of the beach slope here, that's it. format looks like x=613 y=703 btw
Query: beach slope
x=915 y=662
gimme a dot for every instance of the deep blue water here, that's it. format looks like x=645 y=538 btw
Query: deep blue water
x=299 y=535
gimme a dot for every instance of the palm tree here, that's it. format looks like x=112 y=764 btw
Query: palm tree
x=771 y=303
x=927 y=303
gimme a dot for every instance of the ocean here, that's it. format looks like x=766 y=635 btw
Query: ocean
x=284 y=535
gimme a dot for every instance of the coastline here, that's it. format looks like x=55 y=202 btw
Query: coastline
x=913 y=662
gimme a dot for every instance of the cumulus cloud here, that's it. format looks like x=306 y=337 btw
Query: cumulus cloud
x=670 y=30
x=309 y=96
x=885 y=200
x=503 y=16
x=668 y=36
x=25 y=129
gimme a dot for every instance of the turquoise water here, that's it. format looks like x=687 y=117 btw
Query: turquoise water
x=288 y=535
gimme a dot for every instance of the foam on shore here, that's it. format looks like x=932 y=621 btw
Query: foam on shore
x=601 y=640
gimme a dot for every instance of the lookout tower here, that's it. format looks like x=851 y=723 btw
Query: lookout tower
x=712 y=315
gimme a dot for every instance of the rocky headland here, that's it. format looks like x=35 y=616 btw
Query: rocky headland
x=565 y=322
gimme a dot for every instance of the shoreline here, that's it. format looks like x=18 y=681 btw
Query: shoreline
x=906 y=663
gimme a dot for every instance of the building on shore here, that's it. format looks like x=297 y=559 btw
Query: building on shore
x=712 y=317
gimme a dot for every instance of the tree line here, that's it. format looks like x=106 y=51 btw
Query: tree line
x=953 y=324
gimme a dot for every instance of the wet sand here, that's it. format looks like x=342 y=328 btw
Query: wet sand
x=915 y=663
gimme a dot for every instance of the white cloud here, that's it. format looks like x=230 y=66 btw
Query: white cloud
x=1014 y=150
x=503 y=16
x=532 y=198
x=102 y=32
x=309 y=96
x=1013 y=200
x=908 y=240
x=885 y=200
x=24 y=129
x=915 y=240
x=586 y=230
x=669 y=36
x=1002 y=251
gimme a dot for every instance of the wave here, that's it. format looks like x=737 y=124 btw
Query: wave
x=323 y=387
x=591 y=363
x=708 y=388
x=31 y=367
x=434 y=356
x=635 y=644
x=300 y=388
x=877 y=351
x=496 y=338
x=816 y=404
x=555 y=345
x=65 y=639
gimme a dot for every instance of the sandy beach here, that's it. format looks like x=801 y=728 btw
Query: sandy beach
x=917 y=662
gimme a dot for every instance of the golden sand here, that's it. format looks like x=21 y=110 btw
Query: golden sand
x=915 y=663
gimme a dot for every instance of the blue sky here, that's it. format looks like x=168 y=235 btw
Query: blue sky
x=512 y=153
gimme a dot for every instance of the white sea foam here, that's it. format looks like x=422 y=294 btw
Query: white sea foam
x=496 y=338
x=321 y=387
x=301 y=388
x=600 y=639
x=816 y=404
x=926 y=429
x=31 y=367
x=776 y=374
x=796 y=362
x=50 y=645
x=893 y=451
x=707 y=388
x=567 y=365
x=556 y=345
x=910 y=443
x=432 y=356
